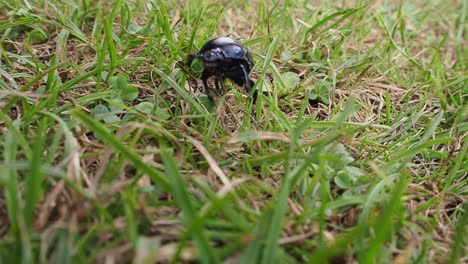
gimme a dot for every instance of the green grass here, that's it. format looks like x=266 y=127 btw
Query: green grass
x=356 y=149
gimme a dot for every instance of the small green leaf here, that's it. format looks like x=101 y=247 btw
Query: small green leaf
x=104 y=75
x=320 y=92
x=145 y=107
x=114 y=108
x=354 y=173
x=316 y=55
x=162 y=114
x=347 y=176
x=341 y=155
x=129 y=93
x=36 y=37
x=313 y=96
x=118 y=82
x=286 y=55
x=41 y=90
x=290 y=80
x=111 y=118
x=343 y=180
x=101 y=112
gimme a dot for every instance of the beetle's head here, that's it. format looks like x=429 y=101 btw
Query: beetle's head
x=213 y=55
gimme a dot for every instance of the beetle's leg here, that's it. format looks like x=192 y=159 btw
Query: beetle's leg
x=204 y=78
x=248 y=82
x=208 y=90
x=219 y=85
x=237 y=77
x=246 y=78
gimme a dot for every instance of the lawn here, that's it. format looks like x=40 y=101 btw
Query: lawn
x=355 y=150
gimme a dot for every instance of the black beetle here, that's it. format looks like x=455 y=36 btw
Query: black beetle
x=224 y=58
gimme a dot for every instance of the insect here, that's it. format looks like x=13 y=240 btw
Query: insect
x=224 y=58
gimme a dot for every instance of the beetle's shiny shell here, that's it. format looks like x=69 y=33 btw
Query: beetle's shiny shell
x=230 y=48
x=224 y=58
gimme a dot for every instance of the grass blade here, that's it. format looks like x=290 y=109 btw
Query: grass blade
x=98 y=128
x=190 y=216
